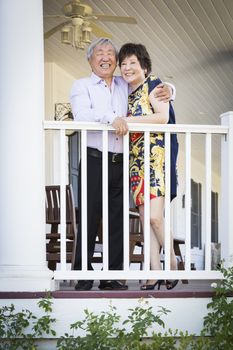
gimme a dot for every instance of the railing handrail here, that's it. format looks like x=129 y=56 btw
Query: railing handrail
x=174 y=128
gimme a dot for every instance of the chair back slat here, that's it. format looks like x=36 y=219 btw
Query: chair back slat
x=52 y=204
x=136 y=237
x=52 y=207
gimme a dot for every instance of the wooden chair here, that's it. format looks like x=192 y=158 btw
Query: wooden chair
x=135 y=238
x=177 y=251
x=53 y=219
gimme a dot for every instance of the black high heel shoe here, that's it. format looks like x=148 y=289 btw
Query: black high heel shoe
x=171 y=284
x=152 y=286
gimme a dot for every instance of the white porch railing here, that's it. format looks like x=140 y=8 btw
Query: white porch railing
x=225 y=219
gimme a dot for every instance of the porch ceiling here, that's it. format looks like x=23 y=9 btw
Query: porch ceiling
x=190 y=42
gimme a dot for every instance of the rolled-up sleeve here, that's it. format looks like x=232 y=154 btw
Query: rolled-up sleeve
x=87 y=103
x=173 y=97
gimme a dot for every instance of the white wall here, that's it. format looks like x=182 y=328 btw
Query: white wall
x=57 y=88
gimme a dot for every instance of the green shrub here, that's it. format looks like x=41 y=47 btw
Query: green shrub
x=20 y=330
x=218 y=324
x=103 y=330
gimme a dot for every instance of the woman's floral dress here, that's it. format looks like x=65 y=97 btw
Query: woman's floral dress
x=139 y=105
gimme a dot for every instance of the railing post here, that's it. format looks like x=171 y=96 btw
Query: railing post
x=167 y=223
x=105 y=192
x=63 y=199
x=226 y=217
x=188 y=201
x=207 y=213
x=126 y=202
x=146 y=201
x=84 y=199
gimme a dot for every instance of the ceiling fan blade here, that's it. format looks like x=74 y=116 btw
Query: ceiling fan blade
x=119 y=19
x=55 y=29
x=55 y=16
x=99 y=32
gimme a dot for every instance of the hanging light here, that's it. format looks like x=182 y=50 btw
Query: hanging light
x=86 y=33
x=65 y=35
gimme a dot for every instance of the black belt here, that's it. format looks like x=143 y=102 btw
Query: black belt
x=113 y=157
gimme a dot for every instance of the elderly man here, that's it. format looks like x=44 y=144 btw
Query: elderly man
x=103 y=98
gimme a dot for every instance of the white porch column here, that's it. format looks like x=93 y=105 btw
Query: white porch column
x=22 y=229
x=226 y=215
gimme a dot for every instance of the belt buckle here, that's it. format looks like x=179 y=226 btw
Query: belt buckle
x=114 y=156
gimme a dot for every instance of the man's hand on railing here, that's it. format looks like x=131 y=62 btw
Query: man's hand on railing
x=120 y=125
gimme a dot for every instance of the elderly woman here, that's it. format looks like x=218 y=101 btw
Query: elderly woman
x=144 y=107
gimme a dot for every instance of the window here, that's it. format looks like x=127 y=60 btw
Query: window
x=214 y=217
x=196 y=214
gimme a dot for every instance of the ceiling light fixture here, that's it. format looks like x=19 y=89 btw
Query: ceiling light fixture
x=77 y=34
x=65 y=35
x=80 y=22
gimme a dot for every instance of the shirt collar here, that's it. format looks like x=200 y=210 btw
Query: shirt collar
x=96 y=80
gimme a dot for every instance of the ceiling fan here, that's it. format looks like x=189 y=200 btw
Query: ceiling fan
x=80 y=23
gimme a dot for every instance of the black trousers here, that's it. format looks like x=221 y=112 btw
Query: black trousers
x=94 y=211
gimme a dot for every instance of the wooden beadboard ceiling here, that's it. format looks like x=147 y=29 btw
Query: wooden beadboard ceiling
x=190 y=43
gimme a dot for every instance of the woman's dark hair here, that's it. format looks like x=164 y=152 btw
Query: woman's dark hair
x=139 y=51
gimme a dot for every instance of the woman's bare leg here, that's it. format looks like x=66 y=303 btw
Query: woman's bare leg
x=157 y=234
x=154 y=247
x=157 y=223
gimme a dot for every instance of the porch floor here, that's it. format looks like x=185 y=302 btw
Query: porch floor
x=194 y=288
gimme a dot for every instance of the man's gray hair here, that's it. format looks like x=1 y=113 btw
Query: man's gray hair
x=100 y=41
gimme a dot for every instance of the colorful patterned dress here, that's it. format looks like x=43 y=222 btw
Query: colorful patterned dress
x=139 y=105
